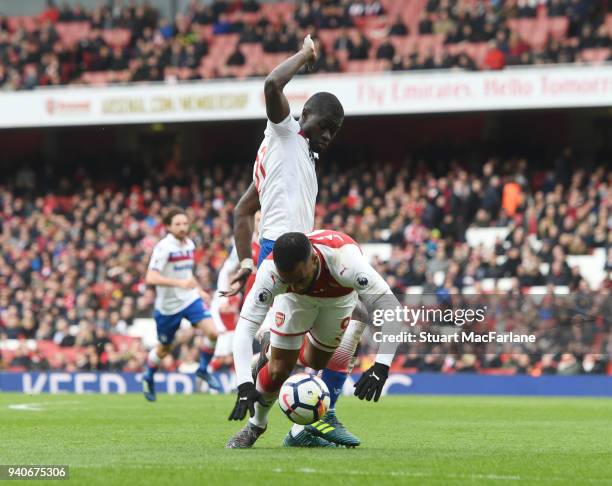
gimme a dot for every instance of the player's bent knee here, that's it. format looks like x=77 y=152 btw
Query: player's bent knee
x=209 y=329
x=315 y=358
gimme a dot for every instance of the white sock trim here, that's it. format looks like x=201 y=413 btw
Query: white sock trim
x=153 y=358
x=296 y=429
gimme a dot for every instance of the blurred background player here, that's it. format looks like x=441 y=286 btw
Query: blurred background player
x=321 y=276
x=285 y=188
x=178 y=297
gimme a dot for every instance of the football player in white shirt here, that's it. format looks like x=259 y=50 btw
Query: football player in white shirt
x=178 y=297
x=285 y=187
x=322 y=274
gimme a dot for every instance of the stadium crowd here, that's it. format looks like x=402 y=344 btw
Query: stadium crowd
x=119 y=42
x=74 y=250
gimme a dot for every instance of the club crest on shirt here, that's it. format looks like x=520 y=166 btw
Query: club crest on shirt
x=362 y=280
x=264 y=296
x=279 y=319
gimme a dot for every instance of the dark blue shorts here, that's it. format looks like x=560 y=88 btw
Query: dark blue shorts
x=265 y=248
x=167 y=325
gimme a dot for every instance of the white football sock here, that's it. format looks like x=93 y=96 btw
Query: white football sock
x=262 y=411
x=153 y=359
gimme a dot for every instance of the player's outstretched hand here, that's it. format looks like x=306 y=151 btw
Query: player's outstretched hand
x=371 y=383
x=309 y=47
x=247 y=396
x=237 y=283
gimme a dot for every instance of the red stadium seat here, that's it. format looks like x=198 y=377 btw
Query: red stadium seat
x=72 y=32
x=7 y=356
x=327 y=38
x=477 y=51
x=275 y=12
x=118 y=340
x=596 y=56
x=117 y=37
x=47 y=348
x=69 y=354
x=27 y=23
x=100 y=78
x=411 y=12
x=356 y=66
x=371 y=22
x=251 y=52
x=535 y=32
x=403 y=45
x=557 y=27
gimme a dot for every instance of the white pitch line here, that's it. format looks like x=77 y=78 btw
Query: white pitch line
x=407 y=474
x=38 y=406
x=417 y=474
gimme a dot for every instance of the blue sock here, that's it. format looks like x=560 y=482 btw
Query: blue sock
x=149 y=372
x=205 y=357
x=334 y=381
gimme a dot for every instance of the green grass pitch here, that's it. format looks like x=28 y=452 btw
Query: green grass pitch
x=179 y=440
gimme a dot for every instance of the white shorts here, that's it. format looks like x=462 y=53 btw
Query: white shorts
x=225 y=343
x=323 y=320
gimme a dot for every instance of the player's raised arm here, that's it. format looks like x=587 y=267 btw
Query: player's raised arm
x=277 y=106
x=244 y=216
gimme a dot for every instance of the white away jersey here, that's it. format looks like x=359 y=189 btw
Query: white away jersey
x=285 y=178
x=173 y=259
x=343 y=270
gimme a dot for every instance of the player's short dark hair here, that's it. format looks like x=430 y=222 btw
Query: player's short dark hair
x=289 y=250
x=171 y=214
x=325 y=104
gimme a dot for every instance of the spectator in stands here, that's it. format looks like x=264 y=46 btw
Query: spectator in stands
x=568 y=365
x=150 y=33
x=251 y=35
x=556 y=8
x=21 y=358
x=236 y=58
x=360 y=47
x=444 y=25
x=398 y=28
x=465 y=62
x=454 y=35
x=385 y=50
x=587 y=38
x=366 y=8
x=304 y=16
x=343 y=42
x=495 y=58
x=425 y=24
x=328 y=64
x=118 y=60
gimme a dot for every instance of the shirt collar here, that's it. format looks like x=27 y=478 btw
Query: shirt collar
x=313 y=155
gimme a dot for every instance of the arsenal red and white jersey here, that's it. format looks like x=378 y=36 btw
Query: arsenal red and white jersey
x=285 y=178
x=342 y=270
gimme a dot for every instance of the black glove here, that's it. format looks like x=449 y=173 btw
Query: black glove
x=237 y=282
x=247 y=396
x=371 y=382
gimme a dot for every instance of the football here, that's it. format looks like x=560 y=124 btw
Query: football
x=304 y=398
